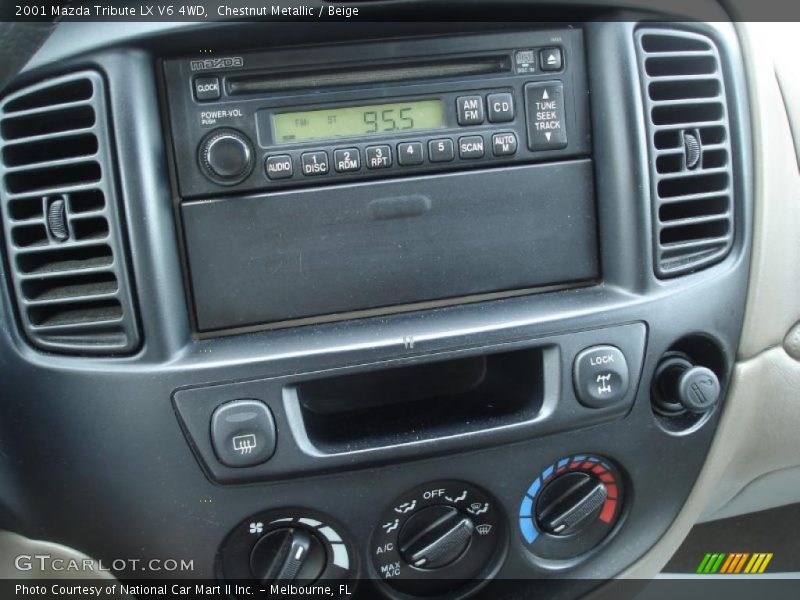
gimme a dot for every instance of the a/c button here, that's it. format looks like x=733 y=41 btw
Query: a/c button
x=600 y=375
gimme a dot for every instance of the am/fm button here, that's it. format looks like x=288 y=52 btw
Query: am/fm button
x=470 y=110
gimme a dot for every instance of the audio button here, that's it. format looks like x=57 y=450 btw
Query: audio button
x=279 y=167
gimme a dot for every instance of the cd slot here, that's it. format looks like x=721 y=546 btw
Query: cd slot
x=238 y=85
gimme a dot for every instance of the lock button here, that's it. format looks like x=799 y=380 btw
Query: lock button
x=601 y=376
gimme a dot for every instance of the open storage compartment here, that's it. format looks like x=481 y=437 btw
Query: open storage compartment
x=386 y=407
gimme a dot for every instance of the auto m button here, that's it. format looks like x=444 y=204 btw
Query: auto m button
x=600 y=376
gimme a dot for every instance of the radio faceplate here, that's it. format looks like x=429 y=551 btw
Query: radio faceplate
x=418 y=106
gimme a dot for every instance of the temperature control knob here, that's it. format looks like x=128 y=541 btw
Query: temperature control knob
x=572 y=506
x=435 y=537
x=226 y=156
x=569 y=503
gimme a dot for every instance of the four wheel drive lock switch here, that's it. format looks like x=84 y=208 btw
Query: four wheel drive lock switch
x=600 y=375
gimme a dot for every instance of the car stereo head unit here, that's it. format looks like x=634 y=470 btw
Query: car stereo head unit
x=312 y=116
x=324 y=183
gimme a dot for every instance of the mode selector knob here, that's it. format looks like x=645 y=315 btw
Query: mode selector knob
x=226 y=156
x=435 y=537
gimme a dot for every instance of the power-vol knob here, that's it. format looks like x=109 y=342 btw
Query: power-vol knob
x=226 y=156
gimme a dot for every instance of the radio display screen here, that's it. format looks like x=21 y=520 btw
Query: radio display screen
x=349 y=121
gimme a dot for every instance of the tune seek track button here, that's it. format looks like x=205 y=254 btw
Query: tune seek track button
x=544 y=107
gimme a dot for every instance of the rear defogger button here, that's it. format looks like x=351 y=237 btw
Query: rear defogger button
x=545 y=115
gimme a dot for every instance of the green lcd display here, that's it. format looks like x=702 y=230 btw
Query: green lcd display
x=349 y=121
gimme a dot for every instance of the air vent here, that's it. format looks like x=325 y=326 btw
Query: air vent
x=690 y=153
x=61 y=218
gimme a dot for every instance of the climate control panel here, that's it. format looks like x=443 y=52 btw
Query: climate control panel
x=440 y=537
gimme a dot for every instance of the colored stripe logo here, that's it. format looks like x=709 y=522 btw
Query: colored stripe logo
x=734 y=563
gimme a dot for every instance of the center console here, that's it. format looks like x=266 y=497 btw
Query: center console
x=424 y=312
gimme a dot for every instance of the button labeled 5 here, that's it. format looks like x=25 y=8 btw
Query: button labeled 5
x=441 y=150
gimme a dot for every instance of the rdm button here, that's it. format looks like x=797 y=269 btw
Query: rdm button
x=601 y=376
x=243 y=433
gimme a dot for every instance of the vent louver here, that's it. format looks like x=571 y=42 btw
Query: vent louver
x=689 y=147
x=60 y=217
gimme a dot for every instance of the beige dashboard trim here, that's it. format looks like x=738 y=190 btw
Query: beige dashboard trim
x=757 y=435
x=56 y=560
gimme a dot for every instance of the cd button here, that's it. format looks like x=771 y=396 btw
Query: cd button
x=501 y=107
x=379 y=157
x=346 y=160
x=504 y=144
x=409 y=153
x=279 y=167
x=471 y=146
x=441 y=150
x=470 y=110
x=315 y=163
